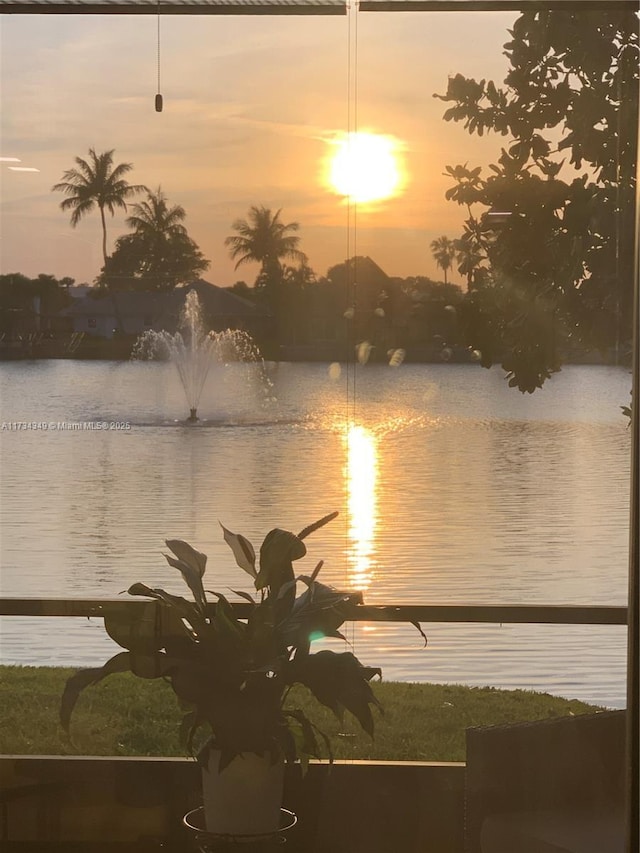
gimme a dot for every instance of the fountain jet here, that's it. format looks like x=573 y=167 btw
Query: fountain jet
x=193 y=350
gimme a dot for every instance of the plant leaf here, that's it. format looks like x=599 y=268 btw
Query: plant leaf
x=317 y=525
x=185 y=609
x=142 y=630
x=241 y=594
x=243 y=551
x=187 y=554
x=190 y=724
x=316 y=571
x=419 y=627
x=149 y=666
x=338 y=681
x=279 y=549
x=225 y=621
x=86 y=677
x=286 y=587
x=319 y=610
x=192 y=577
x=307 y=744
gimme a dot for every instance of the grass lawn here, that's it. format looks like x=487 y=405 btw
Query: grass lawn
x=129 y=716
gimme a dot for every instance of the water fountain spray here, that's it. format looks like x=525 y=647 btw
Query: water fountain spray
x=193 y=350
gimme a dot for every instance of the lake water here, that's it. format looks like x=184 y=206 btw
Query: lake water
x=452 y=488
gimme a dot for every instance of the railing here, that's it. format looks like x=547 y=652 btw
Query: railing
x=560 y=614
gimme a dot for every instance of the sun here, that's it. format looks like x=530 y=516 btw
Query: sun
x=365 y=167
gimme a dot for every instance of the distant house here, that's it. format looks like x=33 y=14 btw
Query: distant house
x=77 y=291
x=138 y=311
x=376 y=300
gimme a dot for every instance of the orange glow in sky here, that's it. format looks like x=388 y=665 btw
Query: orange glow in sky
x=238 y=130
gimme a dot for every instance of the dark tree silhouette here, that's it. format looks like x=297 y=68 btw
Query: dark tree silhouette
x=96 y=182
x=263 y=238
x=17 y=295
x=159 y=254
x=444 y=251
x=550 y=229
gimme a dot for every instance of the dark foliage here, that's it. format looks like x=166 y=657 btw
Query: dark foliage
x=549 y=233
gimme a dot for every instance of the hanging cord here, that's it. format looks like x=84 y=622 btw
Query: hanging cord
x=352 y=307
x=352 y=210
x=158 y=101
x=352 y=222
x=349 y=315
x=350 y=377
x=353 y=139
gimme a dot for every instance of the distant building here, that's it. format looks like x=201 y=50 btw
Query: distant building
x=77 y=291
x=374 y=300
x=356 y=301
x=96 y=315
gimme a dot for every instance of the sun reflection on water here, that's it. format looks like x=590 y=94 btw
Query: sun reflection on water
x=362 y=477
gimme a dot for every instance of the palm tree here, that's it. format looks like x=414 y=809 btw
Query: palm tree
x=154 y=220
x=468 y=258
x=444 y=251
x=264 y=239
x=96 y=182
x=158 y=254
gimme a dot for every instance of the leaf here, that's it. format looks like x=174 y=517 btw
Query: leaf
x=190 y=724
x=338 y=681
x=320 y=610
x=304 y=734
x=241 y=594
x=145 y=629
x=86 y=677
x=135 y=630
x=370 y=672
x=286 y=587
x=225 y=621
x=186 y=554
x=317 y=525
x=182 y=605
x=243 y=551
x=149 y=666
x=279 y=549
x=192 y=577
x=316 y=571
x=185 y=609
x=422 y=633
x=337 y=635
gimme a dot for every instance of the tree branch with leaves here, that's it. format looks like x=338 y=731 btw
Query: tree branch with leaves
x=549 y=230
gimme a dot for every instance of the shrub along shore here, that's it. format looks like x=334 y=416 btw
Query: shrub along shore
x=125 y=715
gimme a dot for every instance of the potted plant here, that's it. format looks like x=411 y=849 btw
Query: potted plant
x=232 y=674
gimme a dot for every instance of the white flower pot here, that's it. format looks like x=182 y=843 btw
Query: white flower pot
x=244 y=799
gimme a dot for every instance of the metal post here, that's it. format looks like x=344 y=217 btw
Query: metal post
x=633 y=654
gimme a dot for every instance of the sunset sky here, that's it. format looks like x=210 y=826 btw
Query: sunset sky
x=254 y=107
